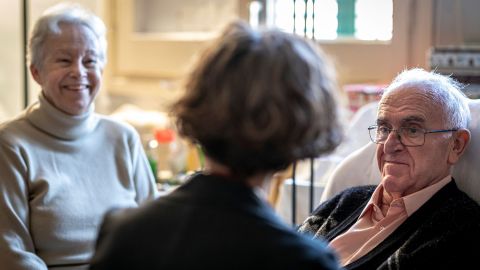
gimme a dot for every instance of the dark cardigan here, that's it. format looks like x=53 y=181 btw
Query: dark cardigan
x=444 y=233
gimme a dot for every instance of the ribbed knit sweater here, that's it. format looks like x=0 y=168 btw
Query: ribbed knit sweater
x=59 y=174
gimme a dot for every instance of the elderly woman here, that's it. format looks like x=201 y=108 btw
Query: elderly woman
x=256 y=102
x=62 y=165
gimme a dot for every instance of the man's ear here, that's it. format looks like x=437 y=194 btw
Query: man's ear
x=460 y=142
x=35 y=74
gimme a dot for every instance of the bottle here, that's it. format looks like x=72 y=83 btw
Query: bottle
x=194 y=158
x=164 y=138
x=151 y=150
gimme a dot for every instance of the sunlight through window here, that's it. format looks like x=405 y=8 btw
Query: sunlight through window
x=319 y=19
x=373 y=19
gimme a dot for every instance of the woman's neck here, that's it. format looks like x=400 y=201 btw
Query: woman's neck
x=257 y=180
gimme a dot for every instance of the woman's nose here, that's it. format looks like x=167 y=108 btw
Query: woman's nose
x=77 y=69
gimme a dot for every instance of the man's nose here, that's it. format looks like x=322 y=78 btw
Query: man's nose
x=393 y=142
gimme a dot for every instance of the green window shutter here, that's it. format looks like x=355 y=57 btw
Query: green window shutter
x=346 y=17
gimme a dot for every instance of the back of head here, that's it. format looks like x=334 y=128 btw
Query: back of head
x=260 y=99
x=442 y=90
x=49 y=24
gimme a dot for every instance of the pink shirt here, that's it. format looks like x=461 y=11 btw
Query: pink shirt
x=372 y=227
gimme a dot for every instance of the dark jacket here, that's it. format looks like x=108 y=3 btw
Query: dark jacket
x=208 y=223
x=442 y=234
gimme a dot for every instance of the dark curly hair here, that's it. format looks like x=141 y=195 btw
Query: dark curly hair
x=258 y=100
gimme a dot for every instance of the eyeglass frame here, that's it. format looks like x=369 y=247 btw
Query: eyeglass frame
x=399 y=130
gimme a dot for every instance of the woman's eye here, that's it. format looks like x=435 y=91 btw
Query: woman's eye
x=90 y=62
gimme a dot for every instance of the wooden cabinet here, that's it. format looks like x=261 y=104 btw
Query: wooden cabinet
x=160 y=38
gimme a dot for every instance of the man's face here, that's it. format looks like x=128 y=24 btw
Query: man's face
x=406 y=170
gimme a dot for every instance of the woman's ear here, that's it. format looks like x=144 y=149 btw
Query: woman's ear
x=460 y=142
x=35 y=74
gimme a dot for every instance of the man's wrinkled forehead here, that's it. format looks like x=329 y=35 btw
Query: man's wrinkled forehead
x=417 y=102
x=408 y=95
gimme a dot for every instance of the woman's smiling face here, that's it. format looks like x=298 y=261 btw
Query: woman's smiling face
x=70 y=73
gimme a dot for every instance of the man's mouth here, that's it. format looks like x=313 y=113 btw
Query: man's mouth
x=395 y=162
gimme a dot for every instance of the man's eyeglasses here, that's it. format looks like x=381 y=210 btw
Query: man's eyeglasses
x=408 y=136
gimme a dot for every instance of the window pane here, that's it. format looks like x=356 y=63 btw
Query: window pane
x=319 y=19
x=323 y=24
x=373 y=20
x=326 y=23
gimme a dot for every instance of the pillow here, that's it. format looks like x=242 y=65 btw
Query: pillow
x=465 y=171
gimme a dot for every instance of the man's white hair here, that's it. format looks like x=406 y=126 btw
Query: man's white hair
x=443 y=91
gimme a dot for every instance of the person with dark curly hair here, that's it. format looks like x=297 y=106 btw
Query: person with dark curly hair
x=257 y=101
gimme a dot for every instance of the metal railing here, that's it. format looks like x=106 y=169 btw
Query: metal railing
x=311 y=190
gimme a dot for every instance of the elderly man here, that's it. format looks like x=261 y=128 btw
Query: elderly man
x=416 y=218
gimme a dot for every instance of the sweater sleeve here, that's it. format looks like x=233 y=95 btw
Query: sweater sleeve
x=17 y=250
x=145 y=186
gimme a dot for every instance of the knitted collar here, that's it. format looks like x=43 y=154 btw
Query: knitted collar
x=51 y=120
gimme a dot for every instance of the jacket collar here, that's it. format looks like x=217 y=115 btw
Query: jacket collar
x=223 y=192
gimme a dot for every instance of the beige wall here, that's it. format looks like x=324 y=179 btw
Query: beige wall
x=457 y=22
x=11 y=62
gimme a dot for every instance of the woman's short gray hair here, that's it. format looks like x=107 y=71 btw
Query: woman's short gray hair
x=49 y=23
x=443 y=90
x=260 y=100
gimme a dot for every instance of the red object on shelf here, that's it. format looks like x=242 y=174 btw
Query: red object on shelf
x=362 y=94
x=164 y=135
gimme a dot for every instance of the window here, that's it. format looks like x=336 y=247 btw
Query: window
x=327 y=19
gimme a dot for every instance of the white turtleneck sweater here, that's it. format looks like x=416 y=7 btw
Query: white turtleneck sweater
x=59 y=174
